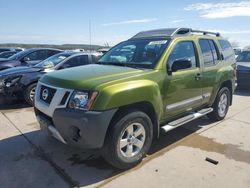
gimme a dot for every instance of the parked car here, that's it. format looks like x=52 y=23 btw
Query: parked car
x=156 y=81
x=243 y=70
x=22 y=81
x=27 y=57
x=11 y=49
x=7 y=54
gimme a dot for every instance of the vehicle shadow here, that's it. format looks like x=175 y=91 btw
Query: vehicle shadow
x=78 y=167
x=8 y=102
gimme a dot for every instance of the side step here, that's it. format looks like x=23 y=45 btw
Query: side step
x=185 y=119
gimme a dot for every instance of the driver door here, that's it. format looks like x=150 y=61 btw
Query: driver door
x=183 y=87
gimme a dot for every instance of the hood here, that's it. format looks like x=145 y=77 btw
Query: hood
x=88 y=76
x=19 y=71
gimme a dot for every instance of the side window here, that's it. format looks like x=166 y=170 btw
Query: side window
x=37 y=55
x=183 y=51
x=76 y=61
x=227 y=50
x=206 y=52
x=51 y=52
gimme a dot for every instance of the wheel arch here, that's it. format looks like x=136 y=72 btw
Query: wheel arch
x=229 y=85
x=143 y=106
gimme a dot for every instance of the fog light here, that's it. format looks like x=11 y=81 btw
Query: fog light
x=75 y=134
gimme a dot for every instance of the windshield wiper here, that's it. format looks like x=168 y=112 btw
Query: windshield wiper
x=131 y=65
x=113 y=63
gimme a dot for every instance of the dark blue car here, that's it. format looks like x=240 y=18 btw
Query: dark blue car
x=27 y=57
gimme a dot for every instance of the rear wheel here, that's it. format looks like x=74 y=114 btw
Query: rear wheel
x=29 y=94
x=128 y=140
x=221 y=105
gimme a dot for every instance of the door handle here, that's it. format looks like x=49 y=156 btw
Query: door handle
x=198 y=76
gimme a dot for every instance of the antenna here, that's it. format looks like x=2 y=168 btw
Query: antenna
x=90 y=45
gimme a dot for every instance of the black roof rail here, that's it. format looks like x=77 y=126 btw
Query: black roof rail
x=171 y=32
x=217 y=34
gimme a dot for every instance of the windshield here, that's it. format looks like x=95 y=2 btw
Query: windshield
x=244 y=57
x=142 y=53
x=52 y=61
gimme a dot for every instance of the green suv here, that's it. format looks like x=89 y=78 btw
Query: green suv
x=154 y=82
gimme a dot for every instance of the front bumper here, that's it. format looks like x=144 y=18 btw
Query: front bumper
x=77 y=128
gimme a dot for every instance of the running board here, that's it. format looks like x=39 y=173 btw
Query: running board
x=185 y=119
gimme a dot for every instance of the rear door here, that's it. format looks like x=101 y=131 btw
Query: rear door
x=183 y=88
x=210 y=60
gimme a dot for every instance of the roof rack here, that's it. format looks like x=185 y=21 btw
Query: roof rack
x=171 y=32
x=217 y=34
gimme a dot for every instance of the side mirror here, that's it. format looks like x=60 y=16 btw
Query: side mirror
x=25 y=59
x=181 y=64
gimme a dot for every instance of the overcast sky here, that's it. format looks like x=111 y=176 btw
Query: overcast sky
x=67 y=21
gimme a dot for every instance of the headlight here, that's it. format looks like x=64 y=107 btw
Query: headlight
x=11 y=81
x=82 y=100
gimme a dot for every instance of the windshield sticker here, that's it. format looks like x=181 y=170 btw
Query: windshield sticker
x=158 y=42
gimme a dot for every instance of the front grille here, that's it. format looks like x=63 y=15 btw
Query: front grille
x=47 y=94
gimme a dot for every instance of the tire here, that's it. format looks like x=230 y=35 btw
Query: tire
x=29 y=91
x=220 y=107
x=117 y=148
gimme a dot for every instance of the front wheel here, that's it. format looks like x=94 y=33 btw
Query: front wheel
x=29 y=94
x=221 y=105
x=128 y=140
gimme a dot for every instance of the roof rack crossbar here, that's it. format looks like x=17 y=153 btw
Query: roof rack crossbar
x=217 y=34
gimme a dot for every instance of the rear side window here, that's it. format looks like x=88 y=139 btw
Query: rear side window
x=52 y=52
x=77 y=61
x=184 y=50
x=227 y=50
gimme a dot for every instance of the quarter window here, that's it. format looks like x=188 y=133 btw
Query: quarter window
x=227 y=50
x=184 y=50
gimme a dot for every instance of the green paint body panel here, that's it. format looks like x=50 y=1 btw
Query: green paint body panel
x=119 y=86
